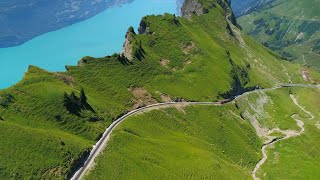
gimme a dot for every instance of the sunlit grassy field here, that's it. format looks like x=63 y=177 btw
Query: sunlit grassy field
x=194 y=143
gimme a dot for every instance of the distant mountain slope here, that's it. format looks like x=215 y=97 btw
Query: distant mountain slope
x=241 y=7
x=290 y=27
x=21 y=20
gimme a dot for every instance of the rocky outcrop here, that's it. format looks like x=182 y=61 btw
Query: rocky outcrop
x=132 y=48
x=226 y=6
x=127 y=46
x=195 y=7
x=191 y=7
x=143 y=28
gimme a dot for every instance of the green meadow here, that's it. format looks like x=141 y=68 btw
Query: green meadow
x=194 y=143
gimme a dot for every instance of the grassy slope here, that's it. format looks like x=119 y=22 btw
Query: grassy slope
x=198 y=70
x=35 y=153
x=161 y=143
x=288 y=18
x=298 y=157
x=202 y=142
x=272 y=113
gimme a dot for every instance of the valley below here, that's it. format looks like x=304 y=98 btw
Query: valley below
x=290 y=28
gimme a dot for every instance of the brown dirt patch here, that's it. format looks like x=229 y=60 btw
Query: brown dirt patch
x=66 y=79
x=164 y=62
x=305 y=74
x=166 y=98
x=142 y=97
x=190 y=48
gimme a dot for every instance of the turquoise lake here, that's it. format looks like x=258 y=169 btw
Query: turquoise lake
x=98 y=36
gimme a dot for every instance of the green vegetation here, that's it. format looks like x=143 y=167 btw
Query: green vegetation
x=298 y=157
x=169 y=143
x=193 y=143
x=60 y=115
x=290 y=27
x=269 y=110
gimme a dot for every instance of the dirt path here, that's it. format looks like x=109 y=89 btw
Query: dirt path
x=302 y=108
x=287 y=134
x=101 y=144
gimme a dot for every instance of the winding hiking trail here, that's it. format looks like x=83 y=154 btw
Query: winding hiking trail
x=288 y=134
x=101 y=144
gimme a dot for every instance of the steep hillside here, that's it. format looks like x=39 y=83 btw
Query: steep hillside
x=219 y=142
x=293 y=131
x=202 y=57
x=290 y=27
x=22 y=20
x=189 y=143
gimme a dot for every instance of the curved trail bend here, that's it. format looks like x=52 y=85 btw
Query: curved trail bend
x=100 y=145
x=288 y=134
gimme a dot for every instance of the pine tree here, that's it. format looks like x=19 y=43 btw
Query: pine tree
x=66 y=100
x=74 y=99
x=83 y=97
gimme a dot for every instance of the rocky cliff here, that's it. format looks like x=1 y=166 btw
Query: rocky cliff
x=199 y=7
x=191 y=7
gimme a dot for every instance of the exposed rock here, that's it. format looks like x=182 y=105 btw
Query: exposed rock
x=189 y=48
x=143 y=28
x=66 y=79
x=164 y=62
x=195 y=7
x=166 y=98
x=226 y=6
x=127 y=46
x=191 y=7
x=142 y=97
x=229 y=29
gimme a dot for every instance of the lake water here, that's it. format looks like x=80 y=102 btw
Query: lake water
x=98 y=36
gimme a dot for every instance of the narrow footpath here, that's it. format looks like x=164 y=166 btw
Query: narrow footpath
x=287 y=134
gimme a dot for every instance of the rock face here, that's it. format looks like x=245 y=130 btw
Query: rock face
x=191 y=7
x=127 y=46
x=195 y=7
x=143 y=28
x=22 y=20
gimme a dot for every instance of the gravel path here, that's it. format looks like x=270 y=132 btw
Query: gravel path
x=288 y=134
